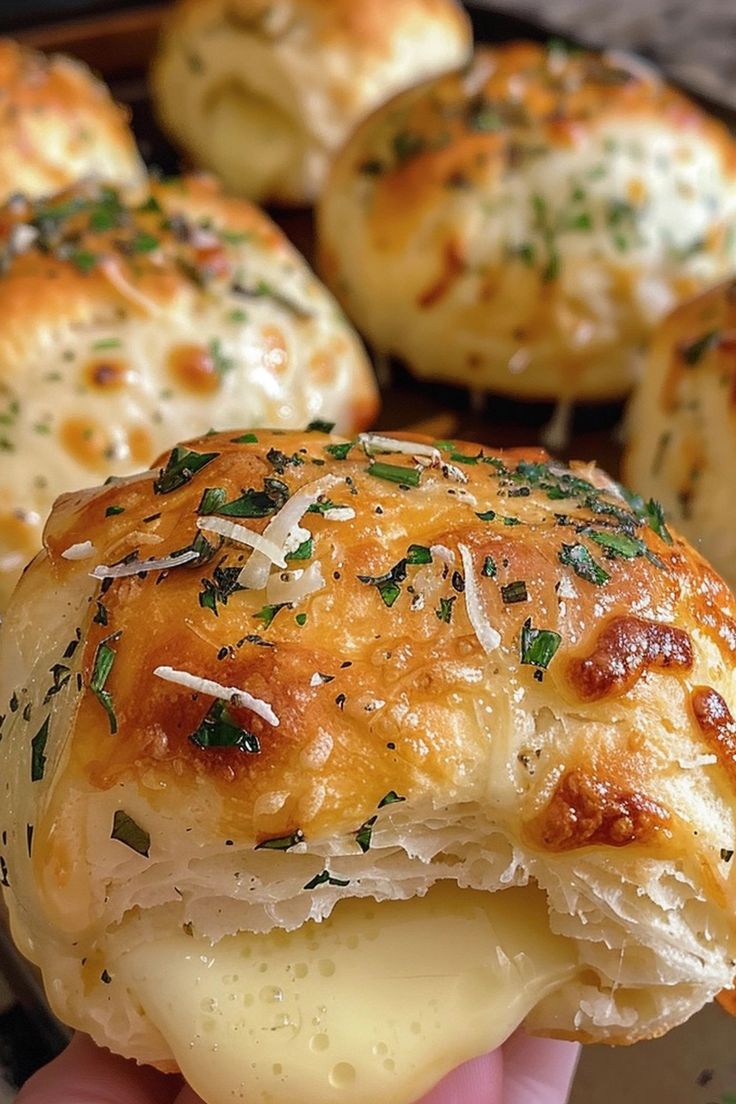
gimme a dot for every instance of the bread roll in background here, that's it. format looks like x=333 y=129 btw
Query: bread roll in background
x=681 y=425
x=263 y=93
x=122 y=326
x=58 y=124
x=282 y=673
x=521 y=226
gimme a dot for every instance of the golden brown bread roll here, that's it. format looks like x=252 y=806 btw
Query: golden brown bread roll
x=681 y=428
x=284 y=677
x=58 y=123
x=263 y=93
x=121 y=326
x=521 y=226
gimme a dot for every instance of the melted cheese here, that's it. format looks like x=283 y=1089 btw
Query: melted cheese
x=376 y=1003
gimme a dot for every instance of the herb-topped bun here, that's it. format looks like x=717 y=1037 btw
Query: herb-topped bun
x=682 y=423
x=521 y=226
x=58 y=123
x=473 y=706
x=264 y=92
x=121 y=326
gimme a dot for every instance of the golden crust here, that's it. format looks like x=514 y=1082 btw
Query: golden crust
x=291 y=80
x=682 y=422
x=58 y=124
x=382 y=630
x=543 y=207
x=121 y=324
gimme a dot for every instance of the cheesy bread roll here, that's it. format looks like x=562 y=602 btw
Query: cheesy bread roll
x=682 y=423
x=58 y=123
x=263 y=93
x=521 y=226
x=122 y=325
x=329 y=761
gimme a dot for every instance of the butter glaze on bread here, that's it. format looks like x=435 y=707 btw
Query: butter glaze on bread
x=263 y=93
x=521 y=226
x=509 y=673
x=58 y=123
x=682 y=423
x=122 y=326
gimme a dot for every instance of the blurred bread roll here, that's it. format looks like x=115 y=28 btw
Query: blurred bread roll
x=58 y=124
x=122 y=325
x=521 y=226
x=263 y=93
x=681 y=424
x=288 y=677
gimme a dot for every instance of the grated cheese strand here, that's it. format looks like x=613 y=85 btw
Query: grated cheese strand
x=231 y=694
x=120 y=571
x=488 y=637
x=242 y=535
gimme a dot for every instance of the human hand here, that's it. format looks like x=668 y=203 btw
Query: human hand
x=523 y=1071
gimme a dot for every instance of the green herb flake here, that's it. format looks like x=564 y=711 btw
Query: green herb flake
x=487 y=515
x=325 y=878
x=694 y=351
x=267 y=614
x=726 y=854
x=514 y=592
x=489 y=568
x=220 y=362
x=580 y=560
x=320 y=426
x=125 y=830
x=657 y=522
x=408 y=144
x=83 y=260
x=444 y=610
x=38 y=748
x=281 y=843
x=218 y=730
x=538 y=646
x=418 y=554
x=181 y=468
x=223 y=584
x=245 y=439
x=617 y=544
x=257 y=504
x=113 y=511
x=105 y=657
x=107 y=343
x=237 y=315
x=339 y=452
x=144 y=243
x=211 y=501
x=364 y=835
x=301 y=619
x=391 y=798
x=305 y=551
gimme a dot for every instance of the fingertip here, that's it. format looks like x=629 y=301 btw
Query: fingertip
x=87 y=1074
x=538 y=1071
x=476 y=1082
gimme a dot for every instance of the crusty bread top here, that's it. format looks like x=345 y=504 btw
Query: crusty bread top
x=58 y=123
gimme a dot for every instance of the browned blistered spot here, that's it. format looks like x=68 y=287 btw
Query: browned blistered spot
x=624 y=650
x=717 y=726
x=585 y=810
x=86 y=441
x=106 y=373
x=452 y=270
x=275 y=352
x=194 y=367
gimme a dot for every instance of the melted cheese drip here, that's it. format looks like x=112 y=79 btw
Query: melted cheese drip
x=376 y=1003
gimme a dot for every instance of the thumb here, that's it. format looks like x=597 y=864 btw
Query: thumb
x=538 y=1071
x=85 y=1074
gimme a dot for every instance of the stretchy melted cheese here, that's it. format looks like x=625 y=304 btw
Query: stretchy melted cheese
x=376 y=1003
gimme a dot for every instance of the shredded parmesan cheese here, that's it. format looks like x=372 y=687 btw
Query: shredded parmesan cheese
x=136 y=567
x=376 y=442
x=293 y=586
x=488 y=637
x=79 y=551
x=340 y=513
x=112 y=271
x=255 y=573
x=242 y=535
x=217 y=690
x=442 y=552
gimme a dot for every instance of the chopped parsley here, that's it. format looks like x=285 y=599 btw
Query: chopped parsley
x=218 y=730
x=320 y=426
x=617 y=544
x=105 y=657
x=339 y=452
x=444 y=610
x=219 y=588
x=281 y=843
x=125 y=830
x=112 y=511
x=364 y=834
x=489 y=568
x=580 y=560
x=514 y=592
x=694 y=351
x=390 y=799
x=257 y=504
x=211 y=501
x=267 y=613
x=182 y=466
x=38 y=748
x=305 y=551
x=220 y=362
x=418 y=554
x=245 y=439
x=538 y=646
x=325 y=878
